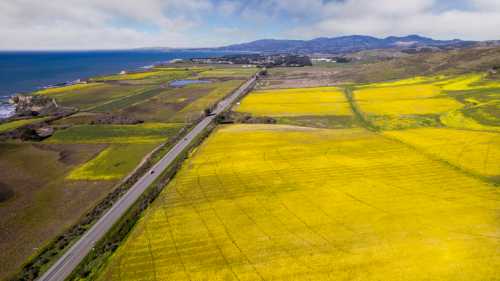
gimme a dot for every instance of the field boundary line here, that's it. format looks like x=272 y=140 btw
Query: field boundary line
x=349 y=94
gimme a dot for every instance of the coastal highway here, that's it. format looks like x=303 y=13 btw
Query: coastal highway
x=63 y=267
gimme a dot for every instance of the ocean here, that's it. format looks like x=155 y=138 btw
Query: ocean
x=24 y=72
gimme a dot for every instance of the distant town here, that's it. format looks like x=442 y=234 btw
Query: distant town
x=258 y=60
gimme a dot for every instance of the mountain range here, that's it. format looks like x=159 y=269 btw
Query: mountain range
x=344 y=44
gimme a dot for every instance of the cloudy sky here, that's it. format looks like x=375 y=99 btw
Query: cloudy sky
x=118 y=24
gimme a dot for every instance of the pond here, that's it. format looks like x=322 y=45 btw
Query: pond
x=181 y=83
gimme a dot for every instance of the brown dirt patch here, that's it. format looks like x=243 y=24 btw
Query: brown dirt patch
x=40 y=202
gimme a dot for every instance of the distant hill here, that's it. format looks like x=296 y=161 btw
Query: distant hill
x=344 y=44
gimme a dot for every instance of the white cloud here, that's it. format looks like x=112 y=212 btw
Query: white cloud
x=90 y=24
x=228 y=8
x=391 y=17
x=486 y=4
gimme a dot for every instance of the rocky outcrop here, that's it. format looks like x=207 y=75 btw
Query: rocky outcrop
x=34 y=105
x=44 y=132
x=34 y=132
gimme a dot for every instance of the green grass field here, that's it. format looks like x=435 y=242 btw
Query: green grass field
x=142 y=133
x=90 y=97
x=116 y=91
x=65 y=89
x=217 y=92
x=127 y=101
x=233 y=72
x=113 y=163
x=184 y=104
x=155 y=74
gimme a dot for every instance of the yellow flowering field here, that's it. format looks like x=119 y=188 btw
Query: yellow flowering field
x=133 y=76
x=113 y=163
x=398 y=93
x=456 y=119
x=475 y=151
x=467 y=82
x=466 y=101
x=415 y=106
x=408 y=81
x=296 y=102
x=275 y=202
x=58 y=90
x=413 y=99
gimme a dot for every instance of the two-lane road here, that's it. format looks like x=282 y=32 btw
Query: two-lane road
x=70 y=260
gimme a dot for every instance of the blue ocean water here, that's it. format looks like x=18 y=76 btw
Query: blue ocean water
x=23 y=72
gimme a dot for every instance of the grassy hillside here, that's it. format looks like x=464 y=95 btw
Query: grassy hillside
x=386 y=68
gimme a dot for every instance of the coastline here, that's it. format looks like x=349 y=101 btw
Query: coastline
x=7 y=110
x=26 y=72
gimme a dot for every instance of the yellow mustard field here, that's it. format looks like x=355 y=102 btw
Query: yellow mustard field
x=416 y=106
x=296 y=102
x=404 y=100
x=466 y=102
x=466 y=82
x=456 y=119
x=134 y=76
x=398 y=93
x=478 y=152
x=58 y=90
x=273 y=202
x=408 y=81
